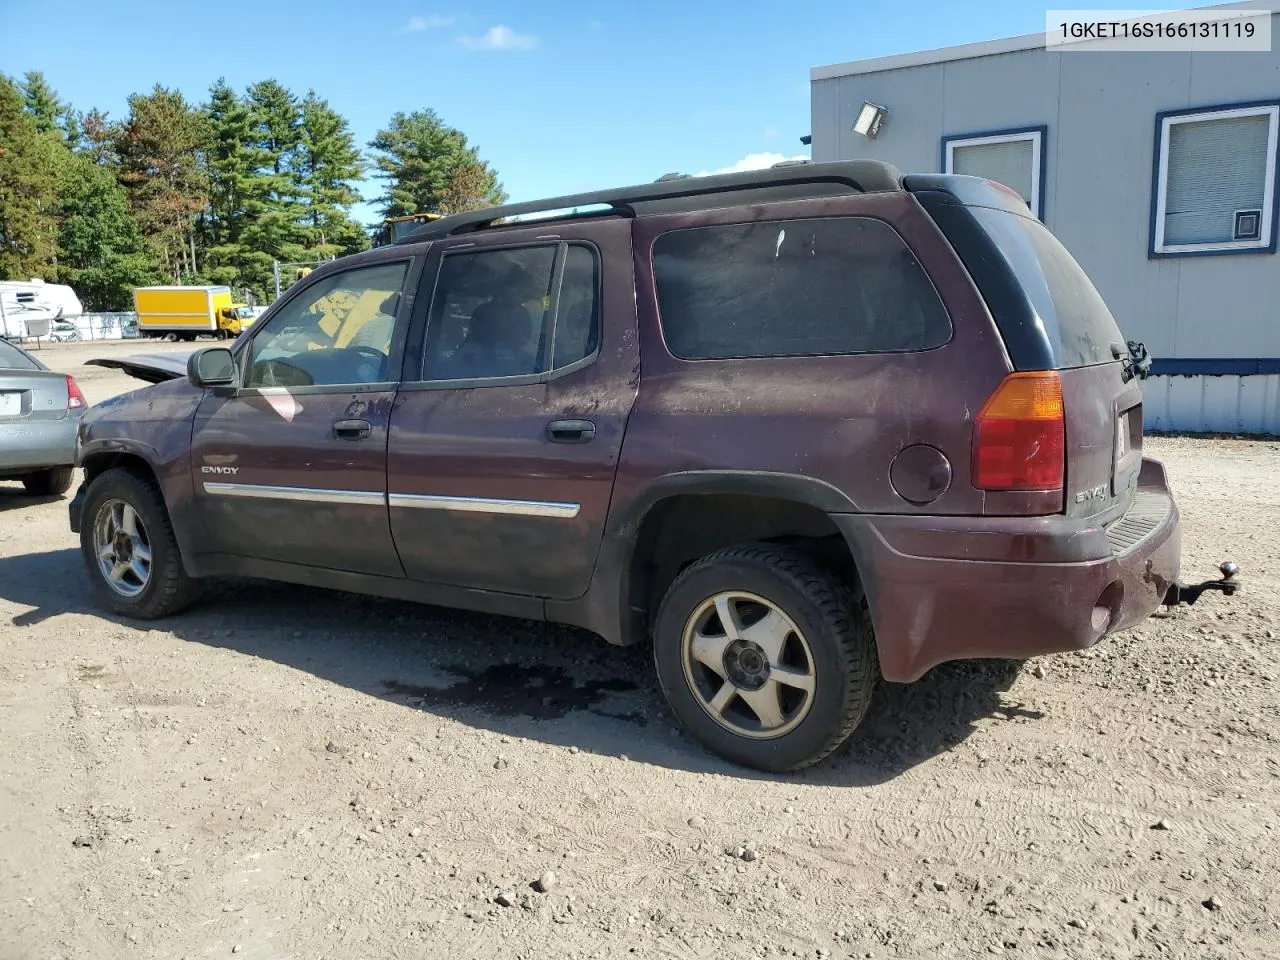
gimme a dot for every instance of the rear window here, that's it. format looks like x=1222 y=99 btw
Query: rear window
x=11 y=358
x=1076 y=321
x=794 y=288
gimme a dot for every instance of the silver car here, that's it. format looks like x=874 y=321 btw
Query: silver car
x=39 y=413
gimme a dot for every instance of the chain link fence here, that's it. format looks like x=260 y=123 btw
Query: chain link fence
x=94 y=326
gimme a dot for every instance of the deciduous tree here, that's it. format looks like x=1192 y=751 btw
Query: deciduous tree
x=29 y=165
x=161 y=148
x=102 y=253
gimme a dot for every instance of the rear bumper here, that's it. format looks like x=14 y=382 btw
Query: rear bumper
x=951 y=588
x=37 y=444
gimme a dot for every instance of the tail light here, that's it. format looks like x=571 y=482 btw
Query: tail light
x=75 y=399
x=1019 y=437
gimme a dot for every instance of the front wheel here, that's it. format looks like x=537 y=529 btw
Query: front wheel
x=766 y=656
x=129 y=549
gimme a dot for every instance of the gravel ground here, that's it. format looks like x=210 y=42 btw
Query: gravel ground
x=288 y=773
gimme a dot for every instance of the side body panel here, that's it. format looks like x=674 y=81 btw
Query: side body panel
x=480 y=495
x=818 y=430
x=840 y=420
x=274 y=482
x=153 y=424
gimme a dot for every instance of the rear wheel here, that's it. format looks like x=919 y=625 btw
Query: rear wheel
x=128 y=546
x=49 y=483
x=766 y=656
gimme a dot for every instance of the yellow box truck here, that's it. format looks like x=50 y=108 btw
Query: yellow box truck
x=189 y=312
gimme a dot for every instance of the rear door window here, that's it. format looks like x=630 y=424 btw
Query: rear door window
x=794 y=288
x=1079 y=327
x=513 y=312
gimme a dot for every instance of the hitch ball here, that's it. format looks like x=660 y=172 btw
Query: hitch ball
x=1228 y=569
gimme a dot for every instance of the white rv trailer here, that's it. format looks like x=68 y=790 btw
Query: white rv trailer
x=28 y=308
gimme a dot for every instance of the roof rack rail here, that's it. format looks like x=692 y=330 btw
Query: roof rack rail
x=790 y=181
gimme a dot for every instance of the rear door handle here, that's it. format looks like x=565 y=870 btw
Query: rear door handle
x=352 y=429
x=571 y=431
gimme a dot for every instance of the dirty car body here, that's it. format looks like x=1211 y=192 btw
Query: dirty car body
x=800 y=427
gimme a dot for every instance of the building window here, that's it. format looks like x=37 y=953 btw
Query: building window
x=1215 y=180
x=1012 y=157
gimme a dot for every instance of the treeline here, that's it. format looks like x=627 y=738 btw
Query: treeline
x=212 y=192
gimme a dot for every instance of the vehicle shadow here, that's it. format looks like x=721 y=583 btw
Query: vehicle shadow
x=540 y=681
x=13 y=497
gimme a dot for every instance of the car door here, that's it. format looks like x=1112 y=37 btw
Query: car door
x=520 y=375
x=290 y=466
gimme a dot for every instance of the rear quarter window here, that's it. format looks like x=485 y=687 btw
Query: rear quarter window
x=1077 y=324
x=794 y=288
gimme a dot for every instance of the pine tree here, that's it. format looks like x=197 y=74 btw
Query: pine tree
x=49 y=114
x=272 y=210
x=419 y=157
x=232 y=162
x=29 y=166
x=328 y=164
x=101 y=251
x=161 y=166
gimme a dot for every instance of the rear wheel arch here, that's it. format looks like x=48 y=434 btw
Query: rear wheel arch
x=678 y=523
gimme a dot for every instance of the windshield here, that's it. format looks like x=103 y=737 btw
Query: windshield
x=244 y=313
x=404 y=227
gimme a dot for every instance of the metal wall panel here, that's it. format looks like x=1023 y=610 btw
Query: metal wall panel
x=1100 y=111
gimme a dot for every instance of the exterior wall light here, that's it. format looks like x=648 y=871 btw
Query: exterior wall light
x=869 y=119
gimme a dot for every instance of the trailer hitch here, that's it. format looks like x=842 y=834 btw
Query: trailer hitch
x=1189 y=593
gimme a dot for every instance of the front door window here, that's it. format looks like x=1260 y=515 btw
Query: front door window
x=339 y=331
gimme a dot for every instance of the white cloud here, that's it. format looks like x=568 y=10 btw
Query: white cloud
x=500 y=37
x=754 y=161
x=432 y=22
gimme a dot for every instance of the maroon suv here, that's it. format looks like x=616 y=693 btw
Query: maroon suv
x=802 y=428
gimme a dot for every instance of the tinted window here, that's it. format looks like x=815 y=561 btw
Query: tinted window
x=501 y=313
x=577 y=323
x=794 y=288
x=337 y=331
x=11 y=358
x=1076 y=321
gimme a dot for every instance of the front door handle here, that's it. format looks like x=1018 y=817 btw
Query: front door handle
x=571 y=431
x=352 y=429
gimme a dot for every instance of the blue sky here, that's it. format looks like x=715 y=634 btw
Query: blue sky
x=560 y=96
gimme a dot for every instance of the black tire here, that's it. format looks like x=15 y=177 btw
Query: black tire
x=53 y=482
x=834 y=621
x=168 y=589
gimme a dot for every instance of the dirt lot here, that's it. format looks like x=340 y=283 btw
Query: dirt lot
x=286 y=773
